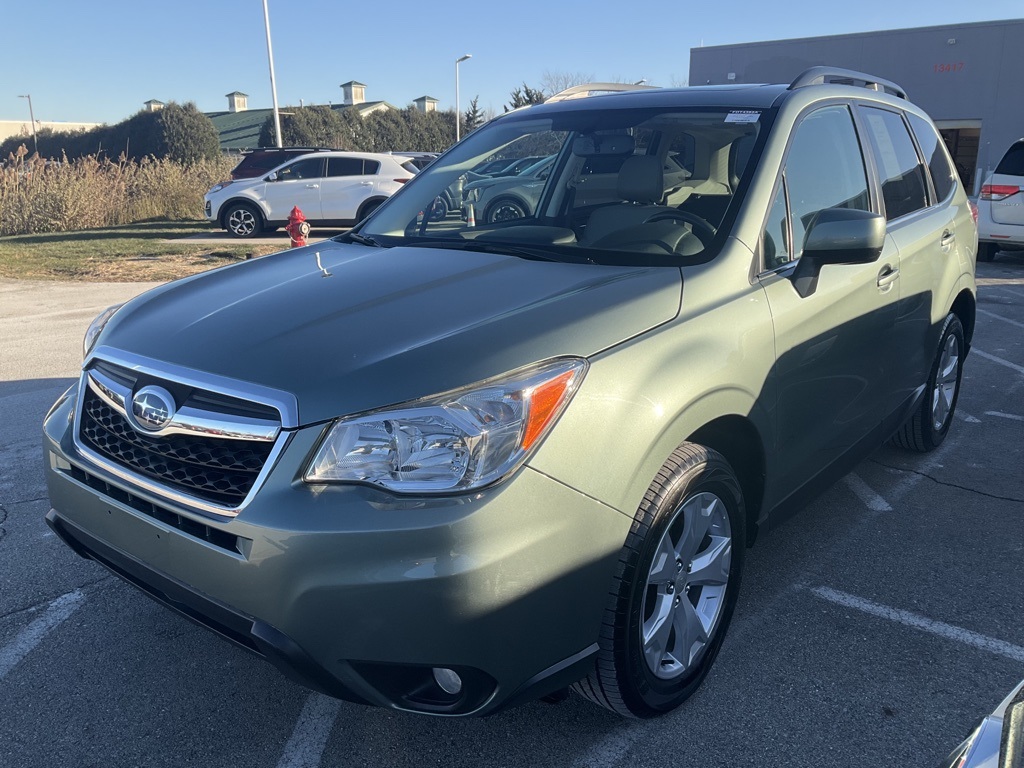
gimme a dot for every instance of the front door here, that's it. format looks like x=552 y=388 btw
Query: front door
x=297 y=184
x=833 y=346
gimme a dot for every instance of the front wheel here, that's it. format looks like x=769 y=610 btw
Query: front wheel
x=505 y=209
x=930 y=422
x=243 y=220
x=674 y=590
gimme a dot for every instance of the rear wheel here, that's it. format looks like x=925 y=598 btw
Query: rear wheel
x=928 y=426
x=987 y=251
x=674 y=590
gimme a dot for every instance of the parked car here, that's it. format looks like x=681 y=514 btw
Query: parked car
x=502 y=198
x=446 y=468
x=1001 y=206
x=331 y=189
x=998 y=741
x=259 y=162
x=420 y=159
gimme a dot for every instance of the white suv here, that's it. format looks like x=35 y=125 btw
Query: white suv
x=330 y=188
x=1001 y=206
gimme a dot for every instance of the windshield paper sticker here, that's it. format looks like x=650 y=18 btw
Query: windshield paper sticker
x=743 y=116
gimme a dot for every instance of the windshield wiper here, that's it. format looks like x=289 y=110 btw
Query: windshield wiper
x=503 y=249
x=355 y=237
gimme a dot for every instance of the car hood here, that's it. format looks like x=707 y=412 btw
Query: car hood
x=508 y=181
x=378 y=326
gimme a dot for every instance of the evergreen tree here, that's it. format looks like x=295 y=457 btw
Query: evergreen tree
x=524 y=96
x=473 y=118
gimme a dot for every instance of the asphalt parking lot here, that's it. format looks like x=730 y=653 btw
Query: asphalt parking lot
x=874 y=628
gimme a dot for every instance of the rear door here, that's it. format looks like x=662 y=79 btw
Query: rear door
x=833 y=346
x=297 y=184
x=925 y=235
x=349 y=182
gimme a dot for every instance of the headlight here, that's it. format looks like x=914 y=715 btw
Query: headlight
x=458 y=441
x=473 y=195
x=218 y=187
x=96 y=328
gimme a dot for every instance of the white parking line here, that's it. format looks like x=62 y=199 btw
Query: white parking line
x=306 y=745
x=871 y=500
x=999 y=360
x=1002 y=415
x=56 y=612
x=916 y=621
x=1000 y=317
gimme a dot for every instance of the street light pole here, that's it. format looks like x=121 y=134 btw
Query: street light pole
x=458 y=113
x=273 y=82
x=32 y=117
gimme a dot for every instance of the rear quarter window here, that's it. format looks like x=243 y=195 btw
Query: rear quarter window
x=934 y=151
x=1012 y=163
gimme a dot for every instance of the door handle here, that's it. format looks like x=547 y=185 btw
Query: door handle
x=366 y=183
x=887 y=277
x=312 y=186
x=947 y=239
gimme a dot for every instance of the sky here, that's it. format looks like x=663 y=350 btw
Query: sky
x=100 y=61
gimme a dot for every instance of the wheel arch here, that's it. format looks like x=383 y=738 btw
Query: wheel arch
x=226 y=205
x=739 y=441
x=375 y=201
x=965 y=308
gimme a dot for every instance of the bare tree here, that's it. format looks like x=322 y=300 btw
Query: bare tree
x=556 y=82
x=677 y=81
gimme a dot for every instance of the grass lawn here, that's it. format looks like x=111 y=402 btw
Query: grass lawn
x=135 y=252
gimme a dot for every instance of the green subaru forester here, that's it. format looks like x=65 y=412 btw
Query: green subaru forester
x=471 y=455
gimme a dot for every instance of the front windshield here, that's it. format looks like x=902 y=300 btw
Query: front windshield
x=624 y=186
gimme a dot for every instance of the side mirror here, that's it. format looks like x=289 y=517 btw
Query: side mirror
x=838 y=236
x=272 y=176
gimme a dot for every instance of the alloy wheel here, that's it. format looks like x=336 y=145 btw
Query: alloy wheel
x=686 y=586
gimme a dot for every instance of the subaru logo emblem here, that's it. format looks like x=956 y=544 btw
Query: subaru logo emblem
x=152 y=409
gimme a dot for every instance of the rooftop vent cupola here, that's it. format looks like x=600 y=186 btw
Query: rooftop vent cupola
x=426 y=104
x=153 y=105
x=354 y=93
x=237 y=101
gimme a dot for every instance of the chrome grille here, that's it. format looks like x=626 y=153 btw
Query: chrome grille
x=214 y=451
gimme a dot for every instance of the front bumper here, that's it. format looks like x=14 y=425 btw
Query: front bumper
x=358 y=593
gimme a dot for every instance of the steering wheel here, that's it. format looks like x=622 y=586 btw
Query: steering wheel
x=702 y=228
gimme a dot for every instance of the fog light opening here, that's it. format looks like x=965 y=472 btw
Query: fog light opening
x=448 y=680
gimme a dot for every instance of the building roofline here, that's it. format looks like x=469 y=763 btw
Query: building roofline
x=874 y=33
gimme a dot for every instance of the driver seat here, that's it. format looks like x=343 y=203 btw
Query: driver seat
x=641 y=184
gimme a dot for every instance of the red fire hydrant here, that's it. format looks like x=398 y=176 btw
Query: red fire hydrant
x=297 y=227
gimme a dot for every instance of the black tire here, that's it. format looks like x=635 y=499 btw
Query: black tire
x=368 y=207
x=926 y=429
x=243 y=220
x=987 y=251
x=438 y=209
x=623 y=679
x=504 y=209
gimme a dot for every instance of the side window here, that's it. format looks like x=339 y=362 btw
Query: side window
x=344 y=166
x=302 y=169
x=934 y=150
x=824 y=169
x=370 y=167
x=903 y=184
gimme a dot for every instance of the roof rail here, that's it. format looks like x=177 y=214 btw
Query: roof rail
x=584 y=90
x=819 y=75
